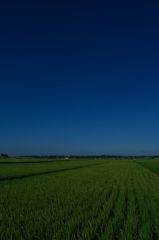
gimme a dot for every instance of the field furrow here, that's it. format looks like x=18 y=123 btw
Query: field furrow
x=24 y=170
x=95 y=201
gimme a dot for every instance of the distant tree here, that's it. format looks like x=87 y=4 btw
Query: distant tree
x=4 y=155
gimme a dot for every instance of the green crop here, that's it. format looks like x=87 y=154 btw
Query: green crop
x=20 y=169
x=152 y=165
x=90 y=200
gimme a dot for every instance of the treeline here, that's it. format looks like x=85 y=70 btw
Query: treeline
x=81 y=156
x=90 y=156
x=4 y=155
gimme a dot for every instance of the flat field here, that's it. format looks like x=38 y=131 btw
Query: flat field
x=152 y=165
x=84 y=199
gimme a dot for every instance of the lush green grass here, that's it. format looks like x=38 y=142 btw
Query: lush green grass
x=110 y=200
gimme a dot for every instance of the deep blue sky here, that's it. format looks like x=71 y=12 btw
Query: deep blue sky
x=79 y=77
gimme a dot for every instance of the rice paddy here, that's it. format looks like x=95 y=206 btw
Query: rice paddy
x=93 y=199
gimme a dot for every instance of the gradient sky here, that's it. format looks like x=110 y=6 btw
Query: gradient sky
x=79 y=77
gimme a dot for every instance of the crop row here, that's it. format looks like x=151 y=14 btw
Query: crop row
x=118 y=200
x=20 y=170
x=152 y=165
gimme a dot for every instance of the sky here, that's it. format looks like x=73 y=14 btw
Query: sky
x=79 y=77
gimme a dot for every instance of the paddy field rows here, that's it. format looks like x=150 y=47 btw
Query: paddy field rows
x=91 y=199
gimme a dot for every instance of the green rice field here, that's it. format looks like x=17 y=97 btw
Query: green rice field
x=79 y=199
x=152 y=165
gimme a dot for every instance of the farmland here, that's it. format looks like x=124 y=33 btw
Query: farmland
x=84 y=199
x=152 y=165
